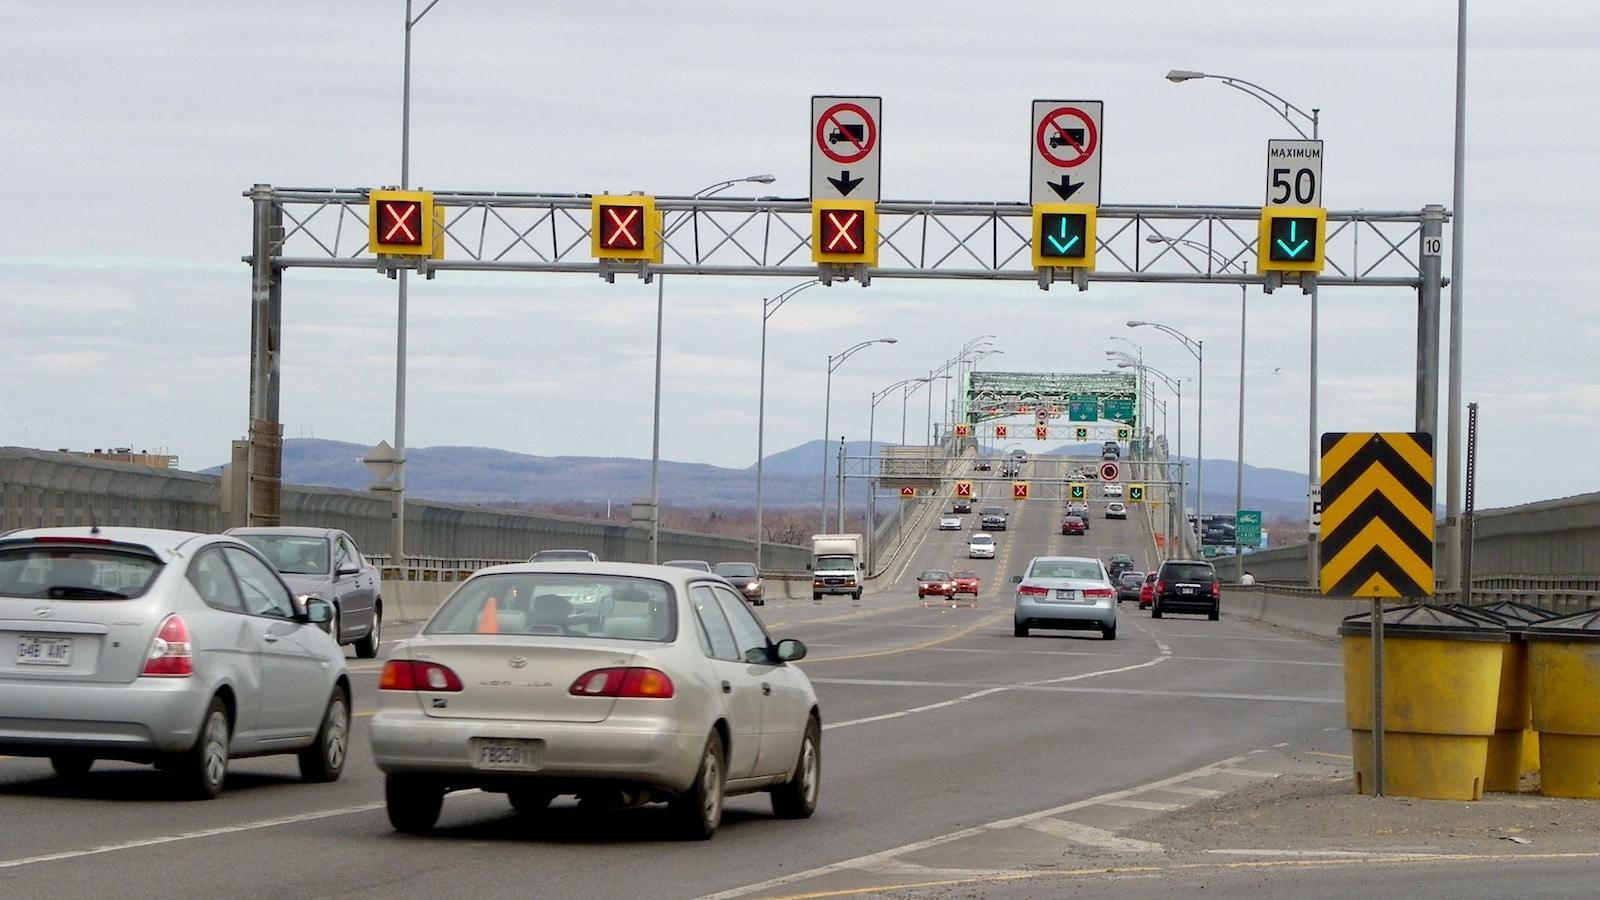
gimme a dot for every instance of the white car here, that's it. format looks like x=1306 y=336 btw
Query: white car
x=1065 y=592
x=623 y=684
x=1116 y=509
x=980 y=546
x=1112 y=489
x=950 y=523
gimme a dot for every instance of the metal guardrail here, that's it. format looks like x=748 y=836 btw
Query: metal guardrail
x=431 y=568
x=1534 y=591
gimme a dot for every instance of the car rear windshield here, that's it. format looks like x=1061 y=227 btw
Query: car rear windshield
x=1187 y=572
x=75 y=573
x=993 y=511
x=1131 y=578
x=291 y=555
x=560 y=605
x=982 y=539
x=1064 y=568
x=736 y=570
x=966 y=574
x=934 y=575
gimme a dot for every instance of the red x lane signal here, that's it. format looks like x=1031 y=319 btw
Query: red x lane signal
x=621 y=227
x=401 y=223
x=625 y=227
x=844 y=232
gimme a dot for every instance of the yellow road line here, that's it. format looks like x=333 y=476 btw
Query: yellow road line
x=1281 y=864
x=983 y=623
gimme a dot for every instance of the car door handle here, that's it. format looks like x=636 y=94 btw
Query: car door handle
x=766 y=689
x=270 y=638
x=727 y=688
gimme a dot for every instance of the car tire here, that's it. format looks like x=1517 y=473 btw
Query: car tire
x=1155 y=610
x=413 y=803
x=71 y=765
x=1019 y=629
x=815 y=596
x=529 y=801
x=856 y=595
x=1216 y=613
x=1109 y=634
x=697 y=812
x=797 y=797
x=203 y=769
x=367 y=647
x=323 y=761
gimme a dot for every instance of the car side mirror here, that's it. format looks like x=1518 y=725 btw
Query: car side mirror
x=1016 y=579
x=347 y=570
x=318 y=610
x=789 y=650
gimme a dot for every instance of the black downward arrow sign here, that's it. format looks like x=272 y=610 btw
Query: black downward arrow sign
x=844 y=183
x=1066 y=188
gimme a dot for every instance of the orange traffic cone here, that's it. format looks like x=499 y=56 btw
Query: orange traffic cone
x=489 y=618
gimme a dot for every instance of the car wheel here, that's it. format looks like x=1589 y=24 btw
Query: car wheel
x=203 y=768
x=1216 y=613
x=367 y=647
x=856 y=595
x=698 y=811
x=530 y=800
x=1155 y=610
x=815 y=596
x=323 y=761
x=1109 y=634
x=71 y=766
x=797 y=797
x=413 y=803
x=1019 y=629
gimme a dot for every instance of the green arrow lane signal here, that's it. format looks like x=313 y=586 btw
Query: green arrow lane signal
x=1063 y=235
x=1061 y=243
x=1292 y=238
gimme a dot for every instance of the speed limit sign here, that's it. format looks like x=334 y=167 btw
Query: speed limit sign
x=1294 y=173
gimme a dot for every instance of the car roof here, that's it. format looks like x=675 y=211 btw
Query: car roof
x=284 y=530
x=1203 y=562
x=165 y=543
x=1089 y=559
x=671 y=574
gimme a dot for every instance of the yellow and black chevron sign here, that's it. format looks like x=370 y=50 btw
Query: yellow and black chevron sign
x=1377 y=514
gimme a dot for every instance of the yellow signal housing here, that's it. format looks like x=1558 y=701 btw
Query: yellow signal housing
x=1064 y=235
x=625 y=227
x=1291 y=239
x=403 y=223
x=844 y=232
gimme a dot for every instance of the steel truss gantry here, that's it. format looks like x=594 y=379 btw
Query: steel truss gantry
x=491 y=231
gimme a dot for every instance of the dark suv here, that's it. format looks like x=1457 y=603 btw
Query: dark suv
x=1187 y=586
x=994 y=519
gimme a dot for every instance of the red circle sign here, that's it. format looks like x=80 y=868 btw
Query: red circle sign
x=1056 y=132
x=858 y=138
x=1109 y=471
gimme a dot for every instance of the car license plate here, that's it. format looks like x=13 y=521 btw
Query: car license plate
x=507 y=753
x=1188 y=590
x=1063 y=594
x=33 y=650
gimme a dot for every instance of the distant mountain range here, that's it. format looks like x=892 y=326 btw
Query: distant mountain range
x=485 y=476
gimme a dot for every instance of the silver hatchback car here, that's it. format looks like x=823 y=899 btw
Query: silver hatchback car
x=622 y=684
x=183 y=650
x=1071 y=592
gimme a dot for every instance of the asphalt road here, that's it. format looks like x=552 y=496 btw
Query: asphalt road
x=936 y=720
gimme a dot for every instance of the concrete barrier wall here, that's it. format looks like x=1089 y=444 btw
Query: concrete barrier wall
x=1309 y=614
x=39 y=488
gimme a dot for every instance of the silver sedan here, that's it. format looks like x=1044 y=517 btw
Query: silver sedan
x=1070 y=592
x=183 y=650
x=326 y=563
x=622 y=684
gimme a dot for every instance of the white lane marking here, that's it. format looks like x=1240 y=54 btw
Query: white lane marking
x=1194 y=791
x=991 y=691
x=1148 y=805
x=1250 y=773
x=190 y=835
x=1092 y=837
x=1009 y=652
x=1362 y=854
x=881 y=856
x=1131 y=692
x=1229 y=637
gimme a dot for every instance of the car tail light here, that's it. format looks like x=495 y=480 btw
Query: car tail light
x=1160 y=585
x=634 y=681
x=1098 y=592
x=416 y=675
x=1029 y=590
x=171 y=655
x=1216 y=588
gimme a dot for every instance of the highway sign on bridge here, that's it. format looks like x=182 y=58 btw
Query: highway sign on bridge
x=1377 y=514
x=1067 y=139
x=846 y=162
x=1247 y=527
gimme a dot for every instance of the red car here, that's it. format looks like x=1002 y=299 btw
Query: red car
x=1072 y=525
x=966 y=583
x=1147 y=591
x=937 y=583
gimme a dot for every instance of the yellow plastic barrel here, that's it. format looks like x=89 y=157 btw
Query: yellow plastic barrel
x=1564 y=685
x=1514 y=747
x=1441 y=677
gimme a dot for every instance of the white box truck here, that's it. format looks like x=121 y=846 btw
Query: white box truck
x=838 y=565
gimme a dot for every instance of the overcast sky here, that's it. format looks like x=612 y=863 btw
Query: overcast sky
x=128 y=132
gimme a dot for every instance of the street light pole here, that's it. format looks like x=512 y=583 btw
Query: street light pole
x=1176 y=386
x=835 y=362
x=1197 y=349
x=661 y=305
x=768 y=309
x=1284 y=109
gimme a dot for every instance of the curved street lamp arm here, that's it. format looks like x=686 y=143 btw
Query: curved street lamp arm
x=1188 y=343
x=770 y=307
x=1256 y=91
